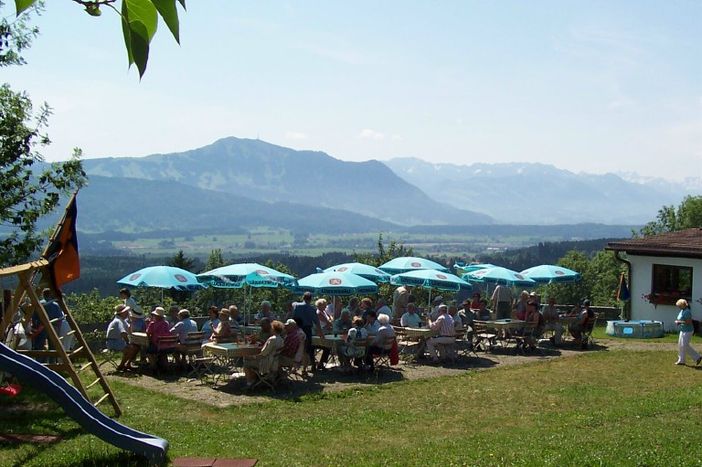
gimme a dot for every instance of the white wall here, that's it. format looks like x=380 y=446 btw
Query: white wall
x=641 y=272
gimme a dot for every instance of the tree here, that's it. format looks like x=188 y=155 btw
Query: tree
x=30 y=189
x=687 y=215
x=139 y=20
x=181 y=261
x=17 y=35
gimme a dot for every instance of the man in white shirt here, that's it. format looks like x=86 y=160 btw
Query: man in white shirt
x=446 y=332
x=117 y=337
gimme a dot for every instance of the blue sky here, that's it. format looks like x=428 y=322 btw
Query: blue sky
x=587 y=86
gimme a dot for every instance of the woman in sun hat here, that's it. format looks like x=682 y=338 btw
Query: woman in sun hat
x=684 y=322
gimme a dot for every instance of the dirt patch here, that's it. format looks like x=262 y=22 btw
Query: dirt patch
x=231 y=390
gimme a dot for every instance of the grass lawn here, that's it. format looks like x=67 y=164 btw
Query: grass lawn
x=598 y=408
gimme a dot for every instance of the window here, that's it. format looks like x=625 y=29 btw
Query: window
x=671 y=283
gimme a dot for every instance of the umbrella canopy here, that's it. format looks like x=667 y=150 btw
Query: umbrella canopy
x=466 y=268
x=548 y=273
x=162 y=277
x=364 y=270
x=235 y=276
x=336 y=283
x=410 y=263
x=429 y=279
x=499 y=275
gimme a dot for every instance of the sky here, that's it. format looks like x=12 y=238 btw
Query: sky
x=591 y=86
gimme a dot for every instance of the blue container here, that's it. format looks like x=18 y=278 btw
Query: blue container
x=641 y=329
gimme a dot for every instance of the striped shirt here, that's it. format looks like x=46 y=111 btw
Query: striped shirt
x=292 y=343
x=444 y=325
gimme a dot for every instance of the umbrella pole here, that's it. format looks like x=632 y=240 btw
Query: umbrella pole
x=429 y=302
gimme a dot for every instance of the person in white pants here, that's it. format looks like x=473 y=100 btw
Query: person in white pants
x=684 y=322
x=446 y=330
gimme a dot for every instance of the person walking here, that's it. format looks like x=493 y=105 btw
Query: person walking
x=684 y=322
x=306 y=316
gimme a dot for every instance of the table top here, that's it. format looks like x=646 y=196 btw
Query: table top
x=231 y=349
x=419 y=332
x=329 y=339
x=505 y=323
x=139 y=338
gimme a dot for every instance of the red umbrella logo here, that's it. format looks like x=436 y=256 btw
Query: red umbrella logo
x=441 y=276
x=180 y=278
x=415 y=264
x=261 y=272
x=342 y=269
x=134 y=277
x=335 y=281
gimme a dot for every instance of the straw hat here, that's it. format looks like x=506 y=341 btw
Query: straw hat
x=159 y=311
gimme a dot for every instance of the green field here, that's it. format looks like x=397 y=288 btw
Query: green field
x=617 y=407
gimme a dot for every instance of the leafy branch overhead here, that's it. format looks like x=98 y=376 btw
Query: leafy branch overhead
x=139 y=22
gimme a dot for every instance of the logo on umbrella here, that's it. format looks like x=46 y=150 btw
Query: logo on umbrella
x=558 y=272
x=180 y=278
x=335 y=281
x=261 y=272
x=441 y=276
x=342 y=269
x=415 y=264
x=519 y=276
x=134 y=277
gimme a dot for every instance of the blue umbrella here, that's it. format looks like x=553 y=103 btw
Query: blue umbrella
x=547 y=274
x=410 y=263
x=335 y=284
x=429 y=279
x=364 y=270
x=235 y=276
x=499 y=275
x=463 y=269
x=162 y=277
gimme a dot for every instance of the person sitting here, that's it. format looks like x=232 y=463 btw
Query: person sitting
x=325 y=320
x=534 y=324
x=372 y=323
x=354 y=347
x=117 y=336
x=223 y=331
x=209 y=325
x=583 y=322
x=468 y=314
x=157 y=328
x=343 y=323
x=235 y=319
x=266 y=361
x=381 y=306
x=366 y=307
x=353 y=307
x=136 y=323
x=445 y=329
x=474 y=303
x=172 y=317
x=520 y=306
x=293 y=351
x=411 y=319
x=182 y=328
x=377 y=344
x=265 y=332
x=126 y=296
x=457 y=321
x=438 y=301
x=483 y=312
x=264 y=313
x=552 y=321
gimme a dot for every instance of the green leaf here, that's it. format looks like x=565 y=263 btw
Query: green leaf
x=126 y=33
x=142 y=11
x=182 y=3
x=22 y=5
x=168 y=11
x=139 y=37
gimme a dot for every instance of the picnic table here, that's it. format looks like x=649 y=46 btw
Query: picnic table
x=222 y=359
x=330 y=341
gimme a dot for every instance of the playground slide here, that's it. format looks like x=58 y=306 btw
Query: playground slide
x=29 y=371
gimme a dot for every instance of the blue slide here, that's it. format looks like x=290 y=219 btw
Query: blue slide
x=29 y=371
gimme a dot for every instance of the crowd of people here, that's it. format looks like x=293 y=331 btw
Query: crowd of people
x=366 y=328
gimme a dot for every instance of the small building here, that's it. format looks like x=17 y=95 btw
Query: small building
x=662 y=269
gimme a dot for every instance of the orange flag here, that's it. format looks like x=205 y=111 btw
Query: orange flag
x=62 y=252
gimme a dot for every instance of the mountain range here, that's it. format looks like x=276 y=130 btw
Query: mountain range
x=234 y=184
x=533 y=193
x=266 y=173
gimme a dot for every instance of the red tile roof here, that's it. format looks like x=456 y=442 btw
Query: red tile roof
x=683 y=243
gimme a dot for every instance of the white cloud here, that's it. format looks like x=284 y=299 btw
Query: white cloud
x=295 y=135
x=368 y=133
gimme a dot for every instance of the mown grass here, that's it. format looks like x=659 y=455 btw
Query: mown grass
x=598 y=408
